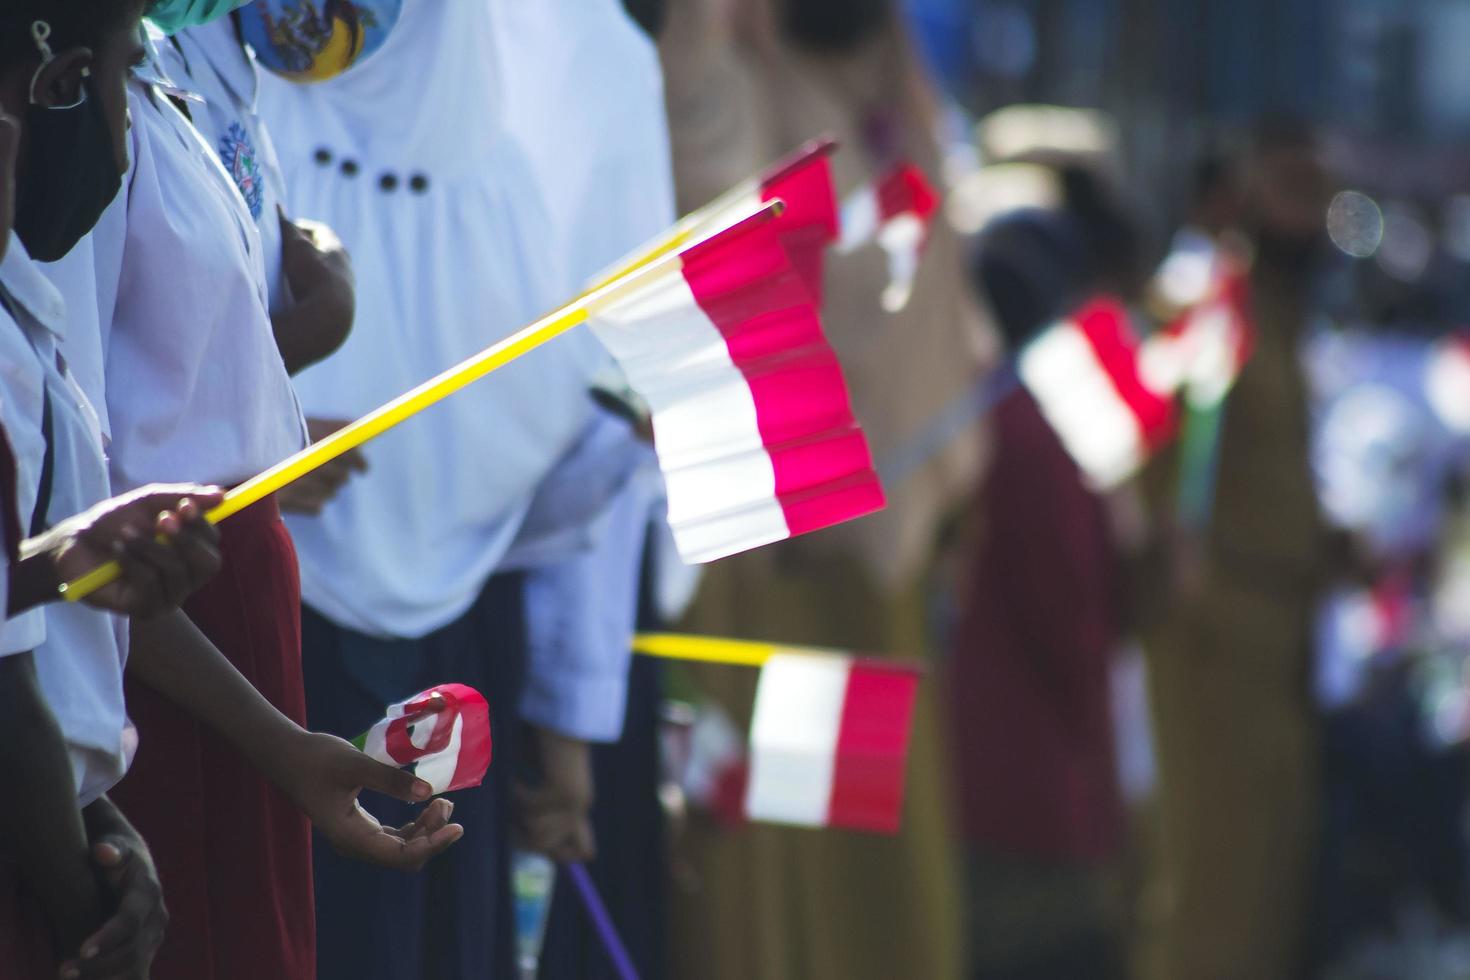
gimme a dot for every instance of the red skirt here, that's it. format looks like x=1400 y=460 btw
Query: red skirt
x=233 y=854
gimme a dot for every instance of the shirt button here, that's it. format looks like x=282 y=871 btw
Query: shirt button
x=350 y=168
x=323 y=156
x=418 y=183
x=389 y=182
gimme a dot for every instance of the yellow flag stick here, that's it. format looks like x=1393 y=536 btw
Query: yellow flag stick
x=711 y=218
x=705 y=649
x=431 y=392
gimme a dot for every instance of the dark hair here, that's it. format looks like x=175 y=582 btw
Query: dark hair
x=1113 y=243
x=834 y=26
x=74 y=23
x=648 y=13
x=1032 y=267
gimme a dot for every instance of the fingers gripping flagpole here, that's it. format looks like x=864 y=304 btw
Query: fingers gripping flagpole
x=430 y=393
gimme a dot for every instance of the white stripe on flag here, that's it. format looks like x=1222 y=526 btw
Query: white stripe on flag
x=793 y=738
x=861 y=220
x=375 y=746
x=438 y=769
x=720 y=479
x=1064 y=375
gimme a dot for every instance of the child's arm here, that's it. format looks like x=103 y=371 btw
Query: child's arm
x=157 y=533
x=130 y=938
x=40 y=825
x=321 y=774
x=324 y=299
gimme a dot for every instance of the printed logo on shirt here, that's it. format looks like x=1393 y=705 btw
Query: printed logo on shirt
x=244 y=166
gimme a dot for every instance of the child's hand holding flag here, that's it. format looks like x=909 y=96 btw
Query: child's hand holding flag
x=324 y=777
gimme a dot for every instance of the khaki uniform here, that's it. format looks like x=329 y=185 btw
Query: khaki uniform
x=787 y=904
x=1230 y=665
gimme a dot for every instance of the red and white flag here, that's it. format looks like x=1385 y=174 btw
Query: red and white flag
x=1085 y=373
x=1202 y=352
x=1447 y=382
x=751 y=416
x=444 y=733
x=896 y=212
x=809 y=225
x=829 y=742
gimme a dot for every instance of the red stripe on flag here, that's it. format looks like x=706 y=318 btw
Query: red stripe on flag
x=1105 y=324
x=748 y=288
x=398 y=739
x=905 y=190
x=872 y=747
x=810 y=222
x=475 y=750
x=825 y=482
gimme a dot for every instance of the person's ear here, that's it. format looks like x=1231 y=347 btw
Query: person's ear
x=58 y=82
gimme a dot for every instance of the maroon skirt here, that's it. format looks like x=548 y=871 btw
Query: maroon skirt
x=233 y=854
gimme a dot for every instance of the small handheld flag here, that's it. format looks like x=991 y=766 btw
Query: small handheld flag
x=1202 y=351
x=802 y=181
x=1447 y=382
x=829 y=742
x=721 y=339
x=896 y=211
x=444 y=733
x=1199 y=355
x=752 y=419
x=1086 y=376
x=830 y=734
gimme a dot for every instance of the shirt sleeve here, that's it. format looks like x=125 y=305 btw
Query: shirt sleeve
x=23 y=633
x=580 y=617
x=570 y=510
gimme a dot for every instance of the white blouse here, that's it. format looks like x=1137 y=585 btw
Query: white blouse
x=195 y=388
x=457 y=165
x=79 y=651
x=210 y=62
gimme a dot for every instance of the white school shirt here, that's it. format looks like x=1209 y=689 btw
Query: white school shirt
x=79 y=651
x=194 y=386
x=210 y=61
x=412 y=157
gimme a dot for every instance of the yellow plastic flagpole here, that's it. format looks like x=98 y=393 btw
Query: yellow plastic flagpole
x=691 y=228
x=703 y=222
x=705 y=649
x=431 y=392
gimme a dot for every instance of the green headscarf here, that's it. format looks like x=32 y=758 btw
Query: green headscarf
x=172 y=16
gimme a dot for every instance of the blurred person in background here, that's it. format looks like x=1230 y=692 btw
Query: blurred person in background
x=748 y=82
x=1230 y=658
x=1044 y=614
x=1390 y=671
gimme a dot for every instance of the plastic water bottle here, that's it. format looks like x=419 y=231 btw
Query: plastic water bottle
x=534 y=881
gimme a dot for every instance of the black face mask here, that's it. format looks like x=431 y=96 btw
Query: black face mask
x=71 y=175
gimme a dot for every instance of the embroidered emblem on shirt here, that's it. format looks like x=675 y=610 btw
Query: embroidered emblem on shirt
x=244 y=167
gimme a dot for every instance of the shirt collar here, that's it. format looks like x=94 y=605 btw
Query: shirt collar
x=219 y=45
x=28 y=286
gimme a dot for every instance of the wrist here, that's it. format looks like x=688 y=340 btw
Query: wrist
x=102 y=818
x=283 y=760
x=35 y=580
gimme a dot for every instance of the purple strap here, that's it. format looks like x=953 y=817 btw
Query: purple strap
x=603 y=922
